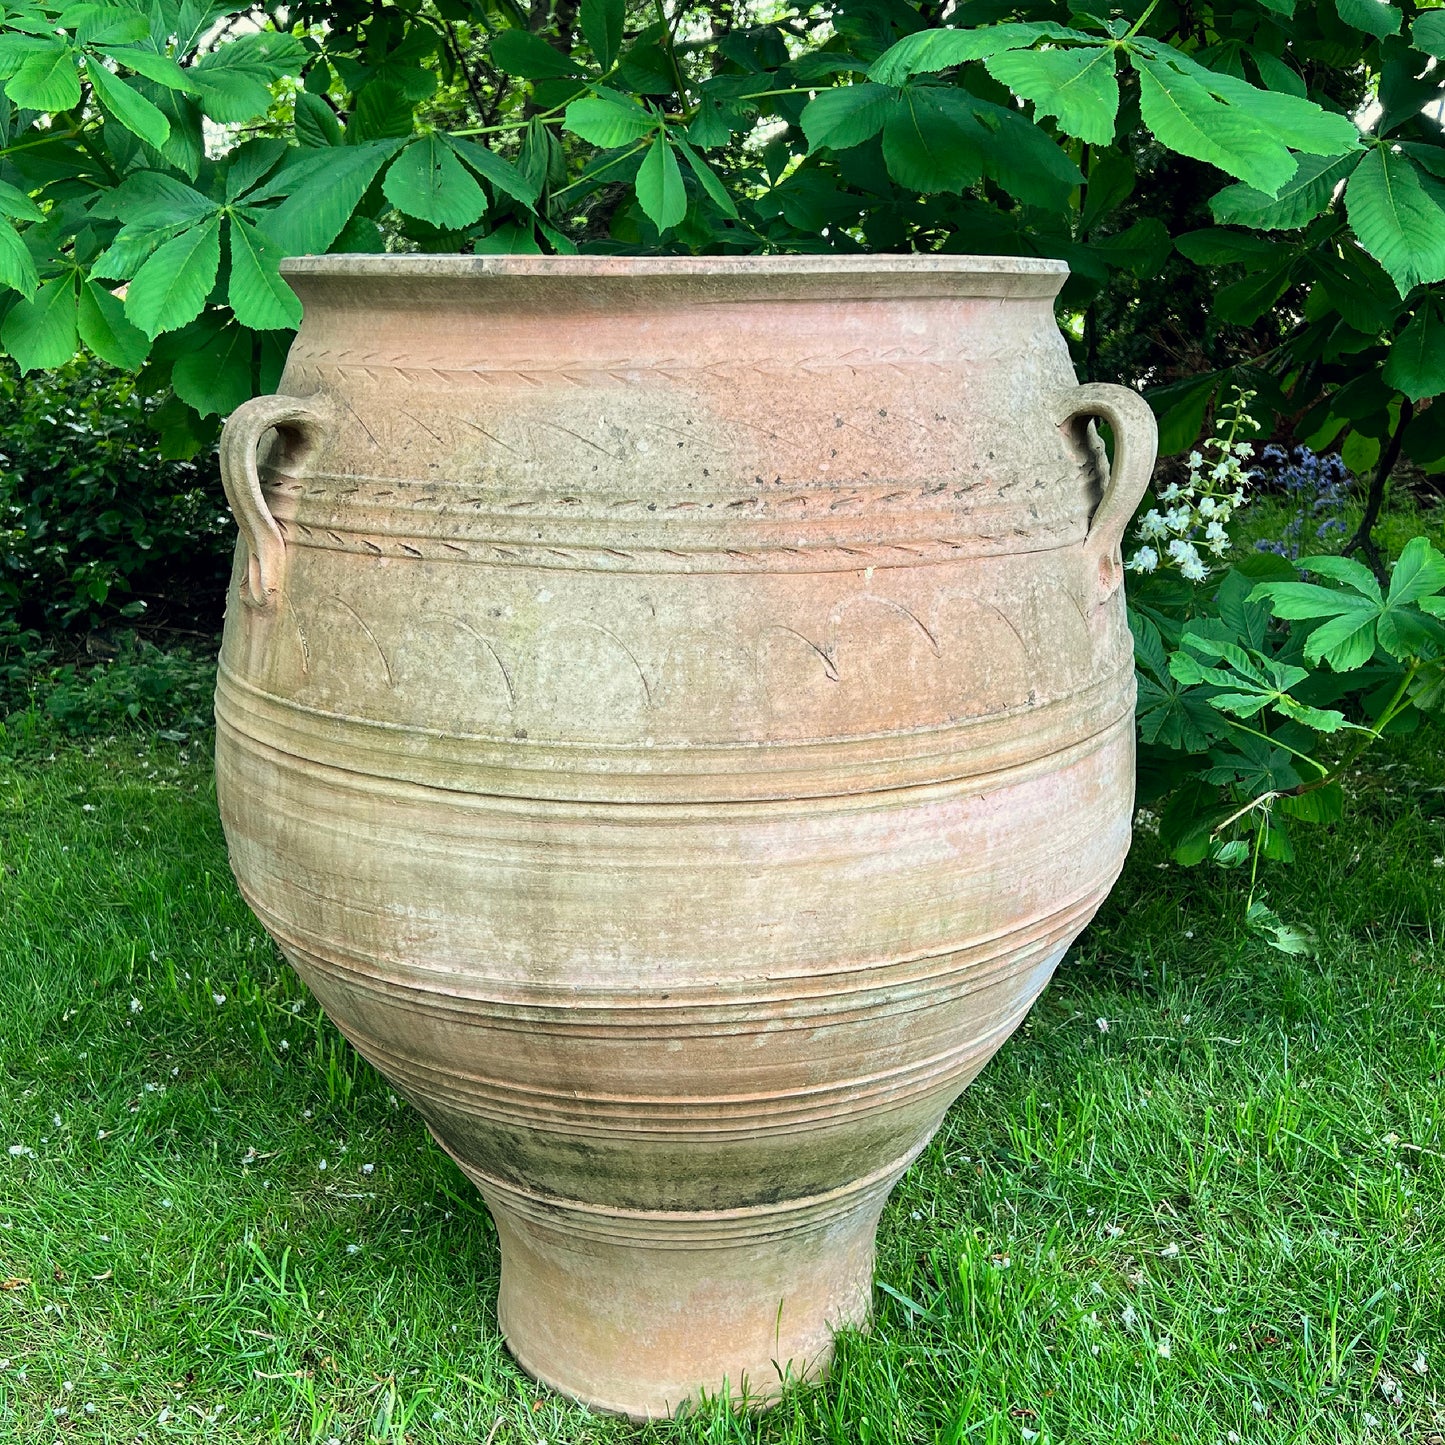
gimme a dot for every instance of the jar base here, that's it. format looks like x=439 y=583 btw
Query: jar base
x=646 y=1314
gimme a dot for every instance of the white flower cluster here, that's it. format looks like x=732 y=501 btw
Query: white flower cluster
x=1198 y=510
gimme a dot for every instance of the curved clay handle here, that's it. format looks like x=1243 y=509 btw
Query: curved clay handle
x=1136 y=444
x=240 y=440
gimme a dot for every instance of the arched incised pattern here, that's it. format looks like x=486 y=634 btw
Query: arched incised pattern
x=580 y=679
x=988 y=660
x=453 y=675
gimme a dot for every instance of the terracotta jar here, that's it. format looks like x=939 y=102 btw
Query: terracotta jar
x=675 y=714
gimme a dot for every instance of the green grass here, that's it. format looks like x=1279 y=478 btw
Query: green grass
x=1246 y=1164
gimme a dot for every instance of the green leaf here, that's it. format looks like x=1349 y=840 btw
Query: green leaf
x=130 y=249
x=40 y=333
x=1323 y=804
x=316 y=122
x=171 y=288
x=1416 y=363
x=846 y=115
x=1249 y=621
x=519 y=52
x=234 y=80
x=1290 y=119
x=1142 y=247
x=934 y=50
x=1241 y=704
x=103 y=327
x=509 y=239
x=1419 y=572
x=1274 y=74
x=17 y=205
x=1298 y=202
x=152 y=198
x=128 y=106
x=46 y=81
x=185 y=149
x=602 y=22
x=1243 y=302
x=258 y=295
x=1286 y=938
x=1370 y=16
x=1215 y=246
x=1396 y=220
x=1428 y=33
x=16 y=49
x=608 y=119
x=498 y=173
x=712 y=126
x=931 y=141
x=1078 y=86
x=1180 y=408
x=17 y=265
x=707 y=178
x=312 y=217
x=1320 y=720
x=1186 y=118
x=1355 y=575
x=1345 y=642
x=1028 y=163
x=381 y=112
x=660 y=190
x=428 y=181
x=251 y=163
x=216 y=378
x=159 y=68
x=104 y=24
x=1301 y=601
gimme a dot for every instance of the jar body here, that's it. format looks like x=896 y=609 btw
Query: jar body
x=684 y=738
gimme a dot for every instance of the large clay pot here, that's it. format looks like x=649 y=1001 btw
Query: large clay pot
x=674 y=715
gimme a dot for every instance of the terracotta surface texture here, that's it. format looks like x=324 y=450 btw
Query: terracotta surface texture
x=674 y=715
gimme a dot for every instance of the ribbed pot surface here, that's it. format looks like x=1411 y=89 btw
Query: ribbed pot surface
x=677 y=723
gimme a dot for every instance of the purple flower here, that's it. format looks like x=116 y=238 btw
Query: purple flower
x=1316 y=488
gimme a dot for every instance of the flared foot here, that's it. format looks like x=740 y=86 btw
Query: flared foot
x=644 y=1313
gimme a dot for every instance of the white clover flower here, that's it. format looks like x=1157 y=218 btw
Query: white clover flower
x=1146 y=559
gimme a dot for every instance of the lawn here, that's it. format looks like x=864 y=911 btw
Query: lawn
x=1197 y=1198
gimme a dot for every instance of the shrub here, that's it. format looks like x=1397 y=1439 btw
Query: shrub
x=165 y=691
x=94 y=524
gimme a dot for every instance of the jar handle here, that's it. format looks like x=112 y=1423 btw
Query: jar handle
x=1136 y=445
x=240 y=442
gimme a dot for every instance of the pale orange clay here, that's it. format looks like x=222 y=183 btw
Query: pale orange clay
x=675 y=714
